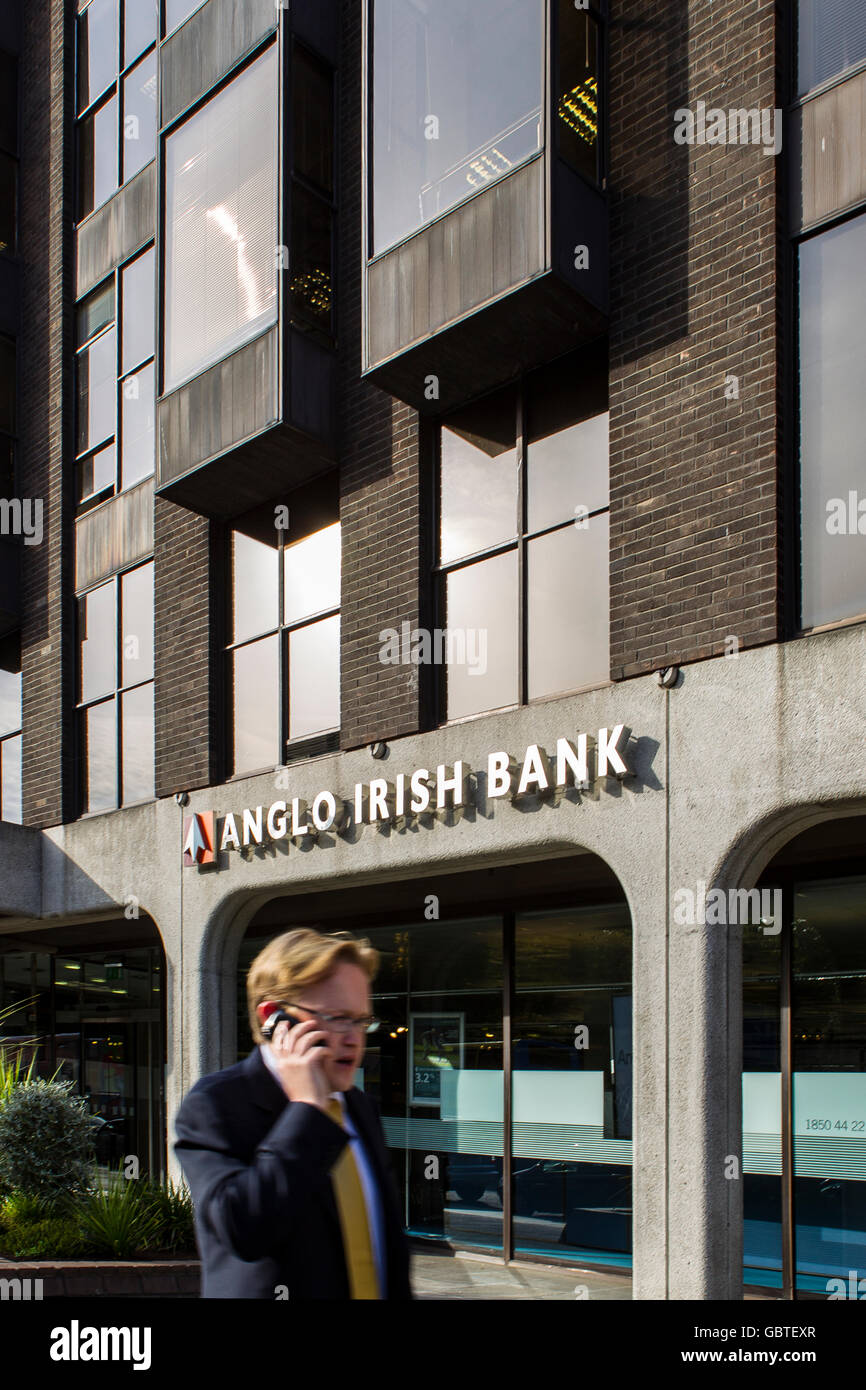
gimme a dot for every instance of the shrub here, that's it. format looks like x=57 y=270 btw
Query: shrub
x=53 y=1238
x=121 y=1221
x=23 y=1208
x=46 y=1140
x=173 y=1206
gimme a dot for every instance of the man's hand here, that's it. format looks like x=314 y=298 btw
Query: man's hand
x=300 y=1062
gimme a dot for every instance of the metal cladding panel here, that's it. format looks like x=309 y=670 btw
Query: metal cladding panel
x=114 y=535
x=122 y=225
x=581 y=236
x=208 y=46
x=828 y=154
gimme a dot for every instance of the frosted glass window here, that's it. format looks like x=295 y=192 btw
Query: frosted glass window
x=100 y=757
x=221 y=224
x=176 y=11
x=137 y=293
x=136 y=601
x=255 y=586
x=97 y=387
x=137 y=739
x=140 y=22
x=10 y=701
x=568 y=473
x=314 y=678
x=569 y=609
x=831 y=37
x=97 y=157
x=137 y=444
x=139 y=117
x=256 y=714
x=98 y=673
x=481 y=605
x=312 y=575
x=97 y=50
x=10 y=756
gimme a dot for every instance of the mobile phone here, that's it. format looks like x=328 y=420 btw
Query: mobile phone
x=279 y=1015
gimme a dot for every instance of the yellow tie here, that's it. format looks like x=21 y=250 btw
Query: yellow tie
x=352 y=1207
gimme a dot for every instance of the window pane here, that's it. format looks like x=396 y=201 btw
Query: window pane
x=221 y=223
x=137 y=630
x=8 y=203
x=833 y=423
x=97 y=50
x=10 y=753
x=568 y=473
x=8 y=103
x=255 y=595
x=176 y=11
x=8 y=378
x=97 y=157
x=98 y=639
x=831 y=38
x=137 y=447
x=96 y=473
x=477 y=70
x=10 y=701
x=137 y=297
x=95 y=312
x=313 y=119
x=314 y=678
x=577 y=89
x=256 y=677
x=481 y=606
x=312 y=573
x=478 y=496
x=100 y=757
x=137 y=740
x=97 y=391
x=140 y=19
x=568 y=609
x=139 y=117
x=310 y=258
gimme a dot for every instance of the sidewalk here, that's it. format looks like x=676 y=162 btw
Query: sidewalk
x=444 y=1274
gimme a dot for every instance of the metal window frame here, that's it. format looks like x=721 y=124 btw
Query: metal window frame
x=116 y=696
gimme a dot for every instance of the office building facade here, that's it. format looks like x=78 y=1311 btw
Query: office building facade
x=433 y=510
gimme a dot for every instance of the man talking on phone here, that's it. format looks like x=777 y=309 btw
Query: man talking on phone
x=285 y=1158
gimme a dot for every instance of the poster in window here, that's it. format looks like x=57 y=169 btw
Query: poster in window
x=435 y=1045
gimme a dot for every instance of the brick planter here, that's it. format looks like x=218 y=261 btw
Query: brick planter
x=105 y=1278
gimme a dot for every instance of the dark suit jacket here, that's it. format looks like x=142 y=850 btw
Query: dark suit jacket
x=259 y=1169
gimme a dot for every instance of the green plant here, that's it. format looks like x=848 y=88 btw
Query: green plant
x=173 y=1206
x=121 y=1220
x=23 y=1208
x=55 y=1238
x=46 y=1140
x=12 y=1073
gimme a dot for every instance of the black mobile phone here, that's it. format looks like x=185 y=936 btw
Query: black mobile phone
x=280 y=1016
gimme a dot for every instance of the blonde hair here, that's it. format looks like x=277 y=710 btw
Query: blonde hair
x=299 y=958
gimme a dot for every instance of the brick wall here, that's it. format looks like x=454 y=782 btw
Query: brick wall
x=45 y=401
x=695 y=493
x=379 y=475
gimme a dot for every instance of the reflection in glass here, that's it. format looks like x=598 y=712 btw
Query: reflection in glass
x=98 y=640
x=10 y=701
x=176 y=11
x=97 y=157
x=97 y=387
x=140 y=22
x=830 y=38
x=762 y=1110
x=136 y=591
x=568 y=473
x=10 y=771
x=478 y=67
x=255 y=671
x=137 y=291
x=137 y=738
x=255 y=591
x=478 y=499
x=829 y=1082
x=310 y=258
x=312 y=573
x=97 y=50
x=314 y=678
x=568 y=609
x=137 y=438
x=139 y=117
x=221 y=223
x=100 y=758
x=577 y=89
x=95 y=312
x=313 y=119
x=481 y=606
x=96 y=473
x=832 y=422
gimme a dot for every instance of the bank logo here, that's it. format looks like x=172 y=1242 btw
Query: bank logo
x=199 y=839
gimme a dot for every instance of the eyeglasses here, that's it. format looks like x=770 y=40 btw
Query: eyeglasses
x=339 y=1023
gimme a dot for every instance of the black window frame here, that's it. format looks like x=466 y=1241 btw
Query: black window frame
x=113 y=90
x=435 y=687
x=10 y=149
x=307 y=745
x=317 y=329
x=82 y=707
